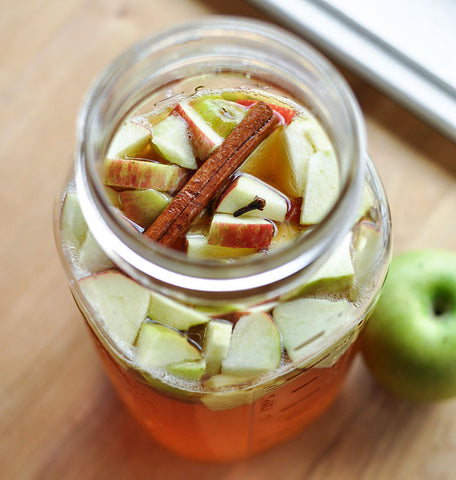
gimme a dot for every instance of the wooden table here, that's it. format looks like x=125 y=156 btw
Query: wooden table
x=59 y=417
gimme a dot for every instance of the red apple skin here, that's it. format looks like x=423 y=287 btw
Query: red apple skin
x=203 y=146
x=236 y=235
x=284 y=115
x=142 y=174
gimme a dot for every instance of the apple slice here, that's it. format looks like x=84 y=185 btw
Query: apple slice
x=91 y=256
x=316 y=135
x=129 y=140
x=368 y=247
x=190 y=370
x=171 y=139
x=169 y=312
x=217 y=340
x=72 y=223
x=367 y=202
x=204 y=138
x=222 y=115
x=255 y=346
x=309 y=325
x=142 y=174
x=229 y=231
x=198 y=248
x=143 y=206
x=285 y=115
x=119 y=302
x=335 y=275
x=243 y=191
x=322 y=188
x=158 y=346
x=299 y=150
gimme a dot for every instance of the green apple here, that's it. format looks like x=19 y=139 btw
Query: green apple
x=142 y=174
x=240 y=232
x=217 y=339
x=310 y=325
x=409 y=343
x=158 y=346
x=119 y=302
x=255 y=346
x=174 y=314
x=129 y=140
x=171 y=139
x=321 y=189
x=143 y=206
x=243 y=191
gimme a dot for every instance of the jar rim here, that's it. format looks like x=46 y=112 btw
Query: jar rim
x=169 y=268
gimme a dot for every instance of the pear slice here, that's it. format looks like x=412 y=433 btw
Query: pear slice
x=322 y=188
x=158 y=346
x=119 y=302
x=129 y=140
x=171 y=139
x=255 y=346
x=309 y=325
x=174 y=314
x=217 y=341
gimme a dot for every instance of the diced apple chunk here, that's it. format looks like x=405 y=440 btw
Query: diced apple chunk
x=171 y=138
x=306 y=325
x=91 y=257
x=174 y=314
x=236 y=232
x=142 y=174
x=190 y=370
x=322 y=188
x=204 y=138
x=129 y=140
x=255 y=346
x=217 y=340
x=198 y=248
x=158 y=346
x=243 y=191
x=120 y=303
x=143 y=206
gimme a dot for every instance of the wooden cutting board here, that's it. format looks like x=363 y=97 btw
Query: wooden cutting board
x=59 y=418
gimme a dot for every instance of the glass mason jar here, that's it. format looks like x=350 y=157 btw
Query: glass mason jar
x=226 y=420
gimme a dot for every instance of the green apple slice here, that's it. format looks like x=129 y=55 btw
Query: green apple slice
x=129 y=140
x=299 y=150
x=237 y=232
x=190 y=370
x=322 y=188
x=255 y=346
x=158 y=346
x=118 y=301
x=171 y=139
x=143 y=206
x=198 y=248
x=143 y=174
x=245 y=189
x=309 y=325
x=174 y=314
x=336 y=274
x=217 y=341
x=72 y=223
x=221 y=115
x=91 y=256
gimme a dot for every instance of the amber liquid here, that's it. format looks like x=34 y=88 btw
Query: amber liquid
x=195 y=431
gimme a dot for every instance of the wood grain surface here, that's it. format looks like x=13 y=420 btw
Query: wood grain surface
x=59 y=417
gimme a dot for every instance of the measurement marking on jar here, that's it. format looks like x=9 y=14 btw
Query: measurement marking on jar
x=304 y=384
x=284 y=409
x=309 y=341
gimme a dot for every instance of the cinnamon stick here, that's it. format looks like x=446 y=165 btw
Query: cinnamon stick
x=175 y=220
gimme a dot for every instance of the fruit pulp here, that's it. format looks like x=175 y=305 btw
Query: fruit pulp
x=194 y=431
x=212 y=415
